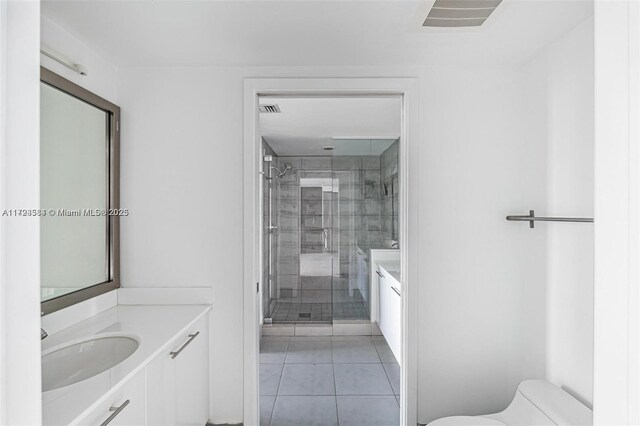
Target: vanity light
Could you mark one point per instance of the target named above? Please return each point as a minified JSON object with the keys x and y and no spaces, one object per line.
{"x":61,"y":59}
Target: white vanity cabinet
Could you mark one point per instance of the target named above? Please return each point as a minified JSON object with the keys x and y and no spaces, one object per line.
{"x":178,"y":381}
{"x":125,"y":407}
{"x":165,"y":381}
{"x":390,"y":322}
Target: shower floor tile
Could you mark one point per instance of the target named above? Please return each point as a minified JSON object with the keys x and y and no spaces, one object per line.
{"x":318,"y":312}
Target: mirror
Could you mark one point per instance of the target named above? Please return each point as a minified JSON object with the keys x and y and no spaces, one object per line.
{"x":79,"y":211}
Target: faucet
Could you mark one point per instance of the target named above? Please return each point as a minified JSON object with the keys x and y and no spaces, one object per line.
{"x":43,"y":334}
{"x":395,"y":245}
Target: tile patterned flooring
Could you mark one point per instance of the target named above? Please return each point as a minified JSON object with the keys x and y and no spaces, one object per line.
{"x":315,"y":312}
{"x":328,"y":380}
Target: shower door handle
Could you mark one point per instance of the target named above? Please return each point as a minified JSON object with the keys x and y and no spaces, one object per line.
{"x":325,"y":238}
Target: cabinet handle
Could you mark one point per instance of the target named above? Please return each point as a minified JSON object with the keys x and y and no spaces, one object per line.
{"x":116,"y":411}
{"x":396,"y":290}
{"x":379,"y":274}
{"x":191,"y":337}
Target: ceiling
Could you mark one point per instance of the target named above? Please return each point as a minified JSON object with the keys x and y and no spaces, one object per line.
{"x":360,"y":126}
{"x":132,"y":33}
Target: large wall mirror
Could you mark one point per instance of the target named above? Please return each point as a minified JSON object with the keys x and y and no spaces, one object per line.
{"x":79,"y":193}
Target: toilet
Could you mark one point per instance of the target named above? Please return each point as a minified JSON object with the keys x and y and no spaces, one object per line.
{"x":537,"y":402}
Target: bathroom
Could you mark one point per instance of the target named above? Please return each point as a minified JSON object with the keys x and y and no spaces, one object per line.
{"x":503,"y":186}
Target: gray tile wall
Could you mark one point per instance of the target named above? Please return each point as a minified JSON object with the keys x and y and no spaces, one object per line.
{"x":389,"y":192}
{"x":356,"y":218}
{"x":269,"y":191}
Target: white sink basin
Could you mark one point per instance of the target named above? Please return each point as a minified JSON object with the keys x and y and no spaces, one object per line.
{"x":79,"y":360}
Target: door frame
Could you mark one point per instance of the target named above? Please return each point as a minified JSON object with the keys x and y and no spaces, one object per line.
{"x":407,"y":89}
{"x":616,"y":386}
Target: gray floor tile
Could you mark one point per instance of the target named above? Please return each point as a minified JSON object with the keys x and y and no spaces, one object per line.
{"x":270,"y":378}
{"x":309,"y":352}
{"x":384,"y":351}
{"x":393,"y":373}
{"x":307,"y":379}
{"x":354,"y":352}
{"x":368,"y":410}
{"x":273,"y":351}
{"x":266,"y":408}
{"x":361,"y":379}
{"x":304,"y":410}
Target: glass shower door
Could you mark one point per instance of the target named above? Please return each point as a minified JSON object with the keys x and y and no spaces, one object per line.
{"x":317,"y":235}
{"x":356,"y":189}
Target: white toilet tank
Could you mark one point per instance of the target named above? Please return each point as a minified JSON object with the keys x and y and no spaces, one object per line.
{"x":536,"y":403}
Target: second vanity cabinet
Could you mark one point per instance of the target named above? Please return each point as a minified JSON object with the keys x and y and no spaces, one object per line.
{"x":178,"y":381}
{"x":390,"y":310}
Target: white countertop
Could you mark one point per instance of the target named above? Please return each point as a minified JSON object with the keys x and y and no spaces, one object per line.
{"x":392,"y":267}
{"x":155,"y":327}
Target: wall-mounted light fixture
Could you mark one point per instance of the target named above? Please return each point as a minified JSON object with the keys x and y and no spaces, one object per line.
{"x":61,"y":59}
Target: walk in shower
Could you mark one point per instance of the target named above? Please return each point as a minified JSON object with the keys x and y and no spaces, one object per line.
{"x":321,"y":216}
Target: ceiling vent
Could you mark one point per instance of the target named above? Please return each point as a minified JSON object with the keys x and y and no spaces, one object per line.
{"x":460,"y":13}
{"x":269,"y":109}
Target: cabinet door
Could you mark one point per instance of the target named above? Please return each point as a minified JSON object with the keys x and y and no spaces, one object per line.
{"x":161,"y":390}
{"x":178,"y":383}
{"x":192,"y":377}
{"x":390,"y":314}
{"x":126,"y":407}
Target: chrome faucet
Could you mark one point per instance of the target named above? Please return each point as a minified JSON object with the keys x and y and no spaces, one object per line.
{"x":43,"y":334}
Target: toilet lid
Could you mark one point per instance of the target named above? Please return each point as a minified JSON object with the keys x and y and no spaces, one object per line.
{"x":466,"y":421}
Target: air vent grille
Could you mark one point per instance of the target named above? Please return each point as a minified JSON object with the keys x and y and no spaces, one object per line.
{"x":460,"y":13}
{"x":269,"y":109}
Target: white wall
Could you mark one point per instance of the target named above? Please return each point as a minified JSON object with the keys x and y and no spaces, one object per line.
{"x":20,"y":389}
{"x":560,"y":84}
{"x":182,"y":181}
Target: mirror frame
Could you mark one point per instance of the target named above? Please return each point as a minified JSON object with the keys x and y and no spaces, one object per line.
{"x":113,"y":221}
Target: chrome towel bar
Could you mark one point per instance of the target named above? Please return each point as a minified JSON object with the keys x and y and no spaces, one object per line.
{"x":532,"y":218}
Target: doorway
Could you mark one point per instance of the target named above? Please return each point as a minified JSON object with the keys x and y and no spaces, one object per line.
{"x":322,"y":230}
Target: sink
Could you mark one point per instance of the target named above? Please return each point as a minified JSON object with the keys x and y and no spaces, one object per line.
{"x":79,"y":360}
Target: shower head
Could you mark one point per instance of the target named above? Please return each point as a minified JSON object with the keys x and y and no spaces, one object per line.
{"x":285,"y":169}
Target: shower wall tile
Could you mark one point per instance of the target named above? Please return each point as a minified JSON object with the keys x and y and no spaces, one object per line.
{"x":317,"y":163}
{"x":289,"y":223}
{"x":347,"y":163}
{"x":288,"y":191}
{"x":312,"y":207}
{"x":371,"y":163}
{"x":288,"y":236}
{"x":315,"y":283}
{"x":350,"y":193}
{"x":291,"y":282}
{"x":372,"y":175}
{"x":314,"y":174}
{"x":371,"y":207}
{"x":288,"y":267}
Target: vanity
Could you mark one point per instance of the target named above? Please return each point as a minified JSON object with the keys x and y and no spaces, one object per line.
{"x":390,"y":296}
{"x":136,"y":364}
{"x":110,"y":355}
